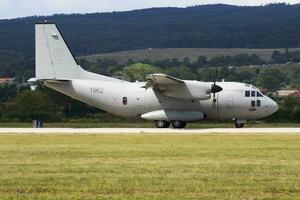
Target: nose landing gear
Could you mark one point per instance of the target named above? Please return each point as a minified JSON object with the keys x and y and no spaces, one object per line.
{"x":239,"y":123}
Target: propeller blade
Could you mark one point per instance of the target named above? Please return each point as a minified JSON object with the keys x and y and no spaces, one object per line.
{"x":214,"y":87}
{"x":215,"y":77}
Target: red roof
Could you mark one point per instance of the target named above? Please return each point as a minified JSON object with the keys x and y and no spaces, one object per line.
{"x":6,"y":80}
{"x":295,"y":94}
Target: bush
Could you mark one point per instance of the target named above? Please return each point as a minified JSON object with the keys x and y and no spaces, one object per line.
{"x":34,"y":105}
{"x":289,"y":111}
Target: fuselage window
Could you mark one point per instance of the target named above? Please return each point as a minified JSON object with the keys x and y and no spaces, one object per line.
{"x":259,"y":94}
{"x":253,"y":93}
{"x":247,"y":93}
{"x":125,"y":101}
{"x":252,"y":104}
{"x":258,"y":103}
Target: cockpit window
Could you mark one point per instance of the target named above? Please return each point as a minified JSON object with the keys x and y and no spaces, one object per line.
{"x":258,"y":94}
{"x":258,"y":103}
{"x":253,"y":93}
{"x":247,"y":93}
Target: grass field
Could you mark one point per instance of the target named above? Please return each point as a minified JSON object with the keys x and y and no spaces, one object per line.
{"x":181,"y":53}
{"x":150,"y":167}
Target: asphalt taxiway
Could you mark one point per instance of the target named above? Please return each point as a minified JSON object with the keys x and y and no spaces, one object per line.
{"x":148,"y":131}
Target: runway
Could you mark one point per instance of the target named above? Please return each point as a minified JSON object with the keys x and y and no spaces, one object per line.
{"x":148,"y":131}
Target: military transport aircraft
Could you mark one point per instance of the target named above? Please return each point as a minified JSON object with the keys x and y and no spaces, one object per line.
{"x":163,"y":99}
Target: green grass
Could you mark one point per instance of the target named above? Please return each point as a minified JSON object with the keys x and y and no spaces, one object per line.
{"x":181,"y":53}
{"x":150,"y":167}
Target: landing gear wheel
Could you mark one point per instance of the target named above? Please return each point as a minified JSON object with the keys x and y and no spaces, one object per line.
{"x":162,"y":124}
{"x":178,"y":124}
{"x":238,"y":125}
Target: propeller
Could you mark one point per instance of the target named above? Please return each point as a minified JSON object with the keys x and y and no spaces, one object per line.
{"x":214,"y":87}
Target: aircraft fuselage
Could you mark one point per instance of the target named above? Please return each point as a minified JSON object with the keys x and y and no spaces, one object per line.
{"x":131,"y":99}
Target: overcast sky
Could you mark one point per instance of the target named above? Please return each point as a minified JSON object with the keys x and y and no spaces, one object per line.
{"x":22,"y":8}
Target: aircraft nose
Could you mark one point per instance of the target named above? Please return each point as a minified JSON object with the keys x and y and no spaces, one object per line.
{"x":273,"y":106}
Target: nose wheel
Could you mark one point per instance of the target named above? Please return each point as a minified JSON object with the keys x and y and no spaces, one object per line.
{"x":162,"y":124}
{"x":239,"y":125}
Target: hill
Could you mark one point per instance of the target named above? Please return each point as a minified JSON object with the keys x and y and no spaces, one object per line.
{"x":180,"y":54}
{"x":207,"y":26}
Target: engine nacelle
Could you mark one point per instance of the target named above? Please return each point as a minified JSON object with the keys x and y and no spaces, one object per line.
{"x":170,"y":115}
{"x":190,"y":90}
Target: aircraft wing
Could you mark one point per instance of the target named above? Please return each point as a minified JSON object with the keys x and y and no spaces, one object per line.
{"x":177,"y":88}
{"x":160,"y":80}
{"x":163,"y":79}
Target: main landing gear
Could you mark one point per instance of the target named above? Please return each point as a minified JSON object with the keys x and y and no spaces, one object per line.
{"x":178,"y":124}
{"x":165,"y":124}
{"x":162,"y":124}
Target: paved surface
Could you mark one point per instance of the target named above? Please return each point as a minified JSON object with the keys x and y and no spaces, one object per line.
{"x":147,"y":131}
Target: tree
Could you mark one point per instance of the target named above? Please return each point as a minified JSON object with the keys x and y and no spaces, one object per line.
{"x":138,"y":72}
{"x":186,"y":61}
{"x":295,"y":56}
{"x":7,"y":91}
{"x":277,"y":57}
{"x":219,"y":61}
{"x":182,"y":72}
{"x":34,"y":105}
{"x":245,"y":76}
{"x":296,"y":79}
{"x":272,"y":79}
{"x":289,"y":111}
{"x":201,"y":61}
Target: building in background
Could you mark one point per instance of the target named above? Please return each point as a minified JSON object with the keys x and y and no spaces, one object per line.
{"x":295,"y":94}
{"x":7,"y":80}
{"x":285,"y":93}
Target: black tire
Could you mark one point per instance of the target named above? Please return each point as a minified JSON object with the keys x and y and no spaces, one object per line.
{"x":238,"y":125}
{"x":178,"y":124}
{"x":162,"y":124}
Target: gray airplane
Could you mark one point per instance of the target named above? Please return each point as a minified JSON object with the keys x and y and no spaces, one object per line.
{"x":163,"y":99}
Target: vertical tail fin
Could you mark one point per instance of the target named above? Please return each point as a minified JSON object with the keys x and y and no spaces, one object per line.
{"x":54,"y":60}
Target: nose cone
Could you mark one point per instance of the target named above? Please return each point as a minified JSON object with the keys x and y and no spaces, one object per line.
{"x":273,"y":107}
